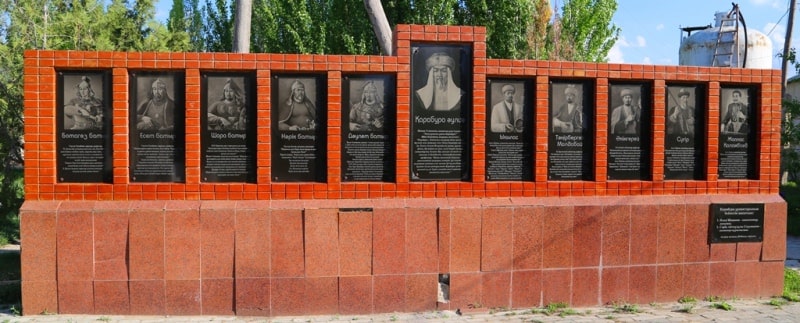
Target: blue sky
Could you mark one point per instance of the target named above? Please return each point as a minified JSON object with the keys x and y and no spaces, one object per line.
{"x":651,"y":28}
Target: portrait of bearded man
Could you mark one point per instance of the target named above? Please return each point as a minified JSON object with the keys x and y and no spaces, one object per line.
{"x":440,"y":92}
{"x":157,"y":111}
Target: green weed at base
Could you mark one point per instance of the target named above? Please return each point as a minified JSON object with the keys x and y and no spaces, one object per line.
{"x":722,"y":306}
{"x":791,"y":285}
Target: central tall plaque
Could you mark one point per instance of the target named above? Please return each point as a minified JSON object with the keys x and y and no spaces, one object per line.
{"x":570,"y":146}
{"x":441,"y":82}
{"x":298,"y":128}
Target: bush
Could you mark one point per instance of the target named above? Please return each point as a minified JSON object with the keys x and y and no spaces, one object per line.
{"x":791,"y":193}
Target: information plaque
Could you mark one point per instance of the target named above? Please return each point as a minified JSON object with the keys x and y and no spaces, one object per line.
{"x":736,"y":223}
{"x":509,"y":130}
{"x":737,"y":134}
{"x":298,"y":128}
{"x":368,"y":135}
{"x":157,"y":129}
{"x":227,"y":127}
{"x":570,"y":141}
{"x":684,"y":144}
{"x":83,"y":126}
{"x":629,"y":132}
{"x":441,"y":82}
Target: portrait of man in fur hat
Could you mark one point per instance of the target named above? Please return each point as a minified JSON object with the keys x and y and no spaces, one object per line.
{"x":440,"y":92}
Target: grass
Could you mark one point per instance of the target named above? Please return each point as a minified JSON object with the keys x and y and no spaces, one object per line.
{"x":722,"y":306}
{"x":561,"y":309}
{"x":791,"y":285}
{"x":625,"y":308}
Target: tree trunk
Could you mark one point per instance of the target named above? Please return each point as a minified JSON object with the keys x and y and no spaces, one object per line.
{"x":241,"y":28}
{"x":380,"y":25}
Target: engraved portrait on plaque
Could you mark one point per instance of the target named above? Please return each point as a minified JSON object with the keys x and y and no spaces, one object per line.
{"x":83,"y":127}
{"x":737,"y":133}
{"x":509,"y":136}
{"x":368,"y":140}
{"x":684,"y":142}
{"x":299,"y":128}
{"x":629,"y":132}
{"x":441,"y":85}
{"x":570,"y":148}
{"x":228,"y":133}
{"x":157,"y":128}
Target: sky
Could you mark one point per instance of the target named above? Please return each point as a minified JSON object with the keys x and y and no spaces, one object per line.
{"x":650,"y":29}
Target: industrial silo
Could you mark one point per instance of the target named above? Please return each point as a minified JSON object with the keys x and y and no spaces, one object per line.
{"x":728,"y":43}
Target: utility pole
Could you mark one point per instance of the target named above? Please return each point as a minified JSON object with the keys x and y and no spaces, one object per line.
{"x":784,"y":66}
{"x":786,"y":46}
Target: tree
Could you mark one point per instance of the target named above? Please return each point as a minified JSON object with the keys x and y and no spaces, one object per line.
{"x":507,"y":24}
{"x":537,"y":31}
{"x":64,"y":25}
{"x":218,"y":29}
{"x":584,"y":31}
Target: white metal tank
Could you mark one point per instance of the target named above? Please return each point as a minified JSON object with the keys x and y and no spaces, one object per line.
{"x":698,"y":48}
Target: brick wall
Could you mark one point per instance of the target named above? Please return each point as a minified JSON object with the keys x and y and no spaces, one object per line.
{"x":269,"y":248}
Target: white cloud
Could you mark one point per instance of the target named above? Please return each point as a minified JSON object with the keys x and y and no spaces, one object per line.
{"x":660,"y":27}
{"x":640,"y":41}
{"x":646,"y":60}
{"x":615,"y":54}
{"x":771,"y":3}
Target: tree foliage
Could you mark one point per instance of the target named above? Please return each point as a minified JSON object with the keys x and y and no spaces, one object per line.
{"x":61,"y":25}
{"x":519,"y":29}
{"x":585,"y":32}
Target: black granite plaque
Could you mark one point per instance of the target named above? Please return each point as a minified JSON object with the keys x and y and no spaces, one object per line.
{"x":299,"y":128}
{"x":228,"y":128}
{"x":157,"y":128}
{"x":629,"y":132}
{"x":441,"y":81}
{"x":684,"y":144}
{"x":736,"y":223}
{"x":368,"y":137}
{"x":737,"y":134}
{"x":83,"y":127}
{"x":509,"y":130}
{"x":570,"y":147}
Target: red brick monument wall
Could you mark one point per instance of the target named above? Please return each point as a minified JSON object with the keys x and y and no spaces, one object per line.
{"x":108,"y":227}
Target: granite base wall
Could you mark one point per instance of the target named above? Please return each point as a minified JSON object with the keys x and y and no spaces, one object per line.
{"x":302,"y":257}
